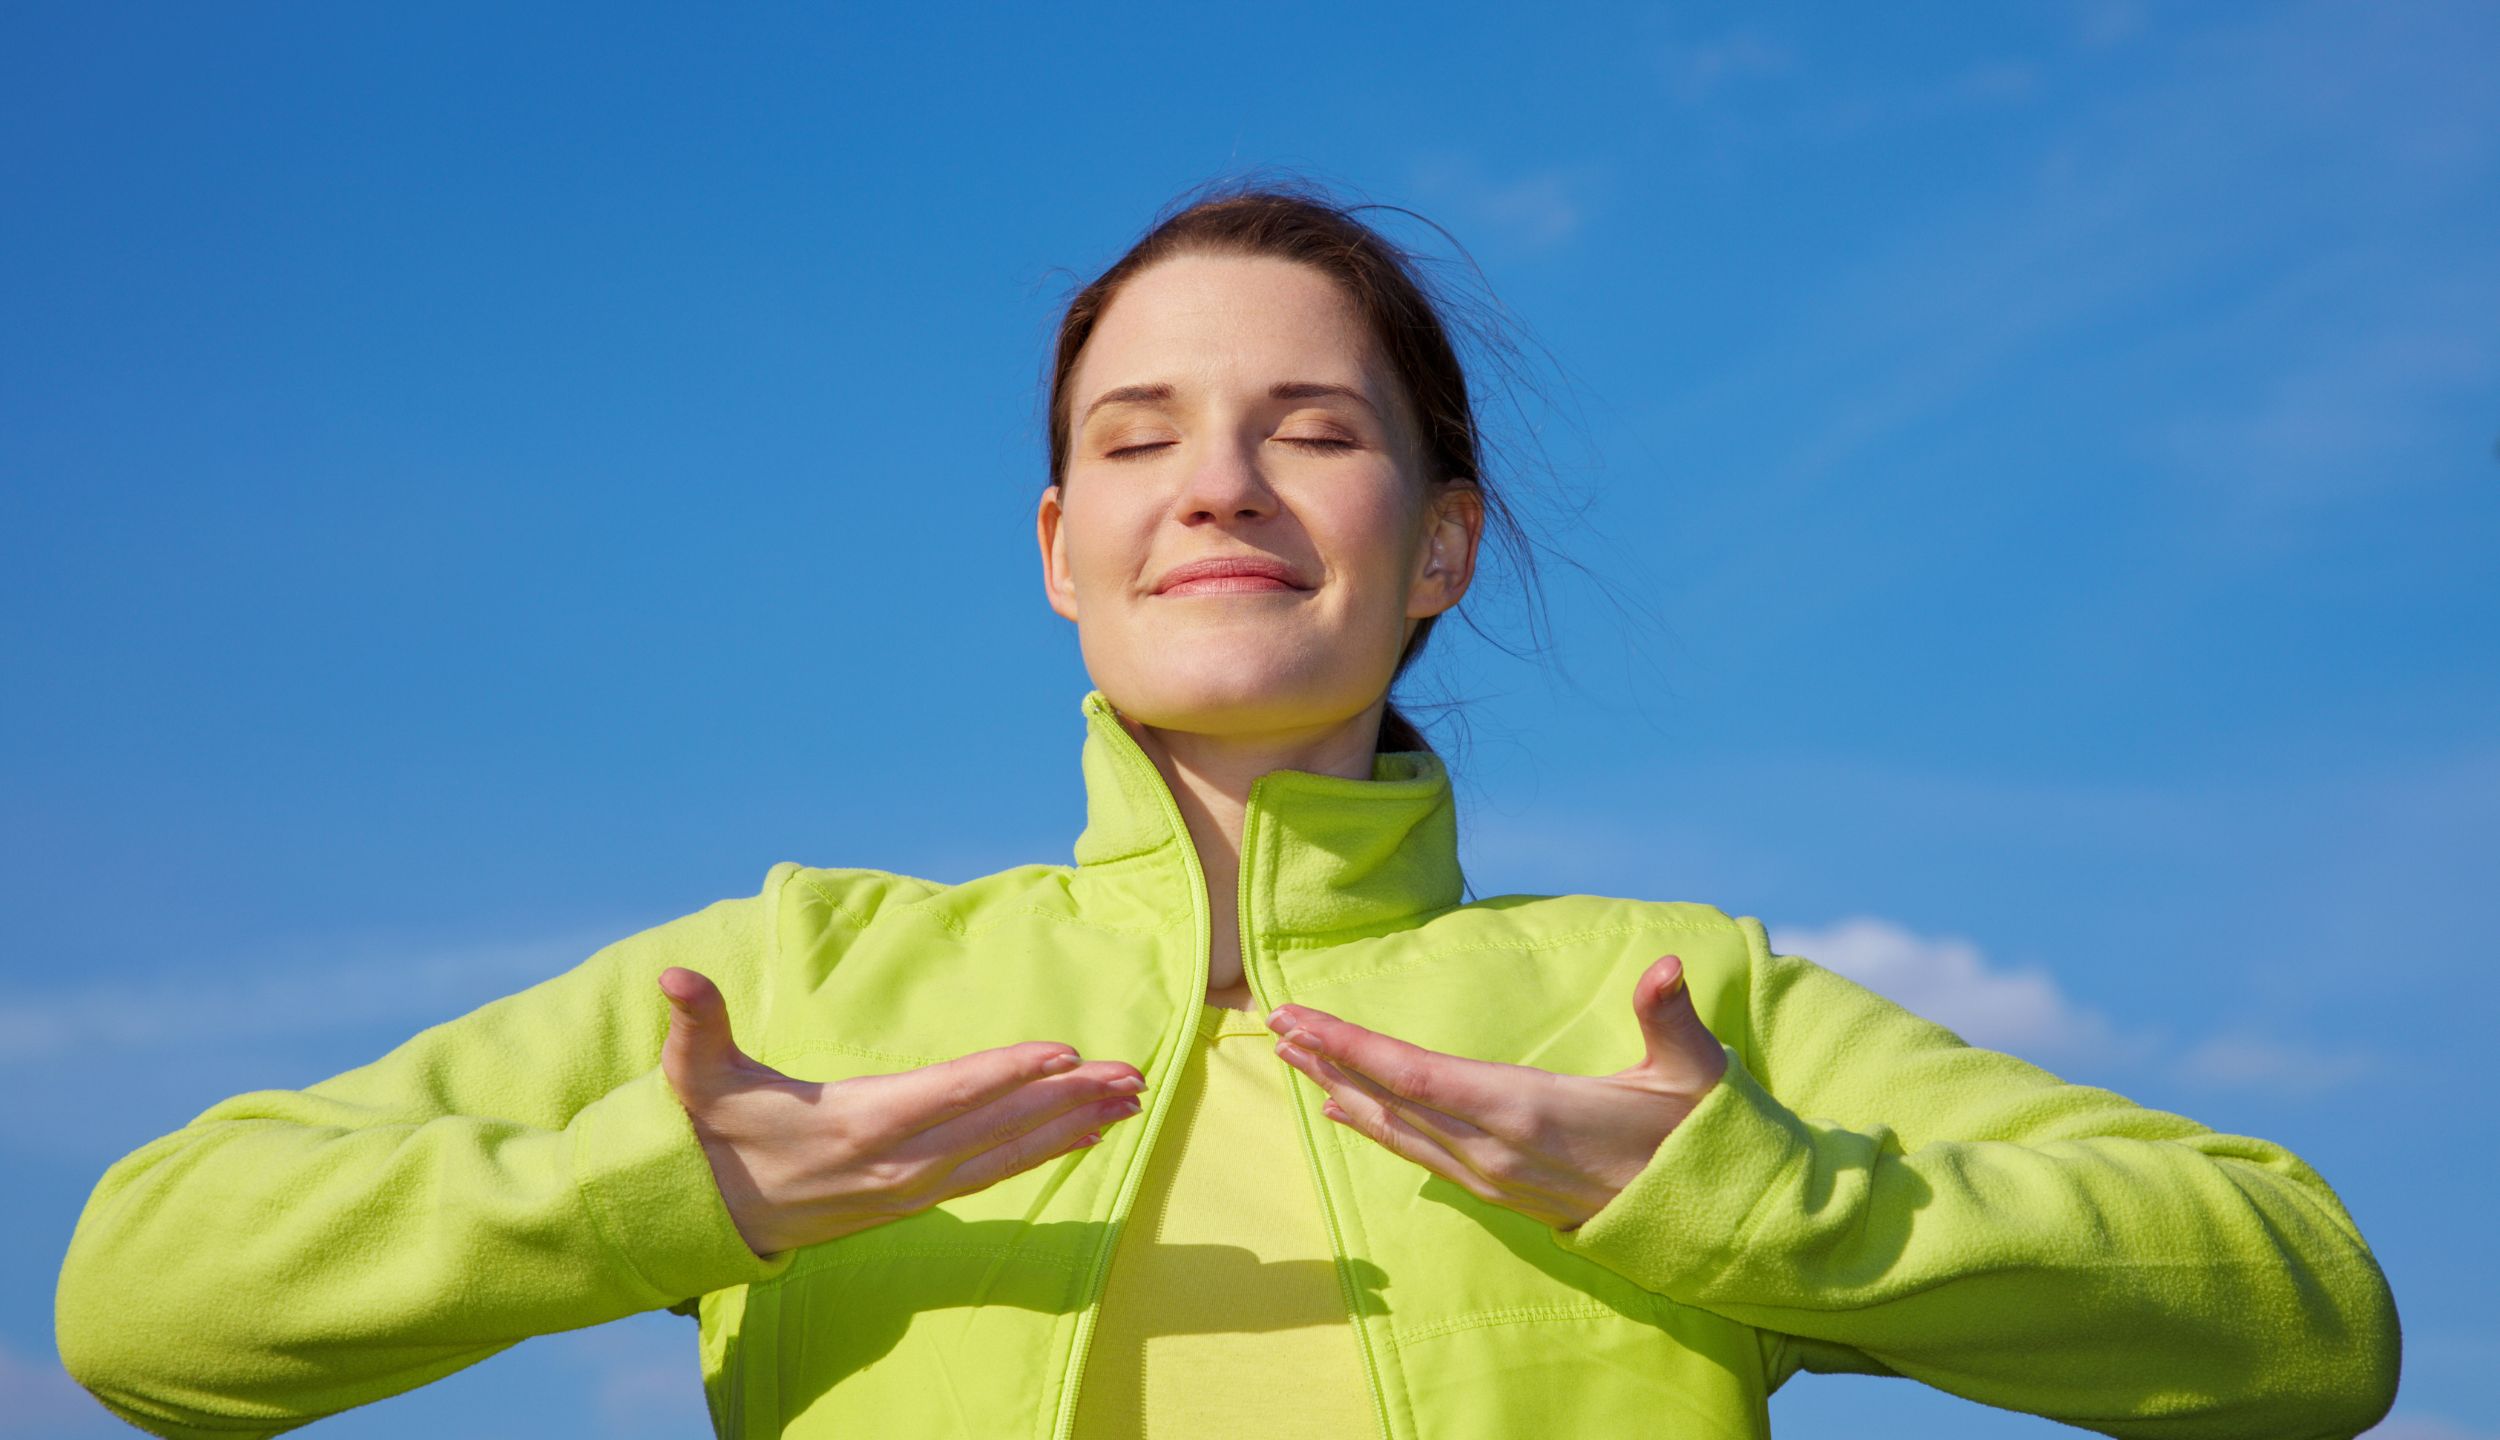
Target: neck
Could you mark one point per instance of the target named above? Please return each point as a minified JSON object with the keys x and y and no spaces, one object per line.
{"x":1210,"y":778}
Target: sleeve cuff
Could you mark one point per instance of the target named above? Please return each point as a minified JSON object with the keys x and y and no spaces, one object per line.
{"x":651,"y":1192}
{"x":1685,"y":1216}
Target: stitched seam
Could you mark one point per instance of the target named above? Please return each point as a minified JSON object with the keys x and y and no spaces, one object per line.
{"x":1161,"y":927}
{"x":1332,"y":939}
{"x":1514,"y":1315}
{"x":941,"y":921}
{"x":1523,"y":946}
{"x":1757,"y":951}
{"x":599,"y":1226}
{"x":833,"y":903}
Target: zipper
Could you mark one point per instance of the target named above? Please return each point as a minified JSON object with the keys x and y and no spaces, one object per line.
{"x":1346,"y":1287}
{"x":1128,"y":750}
{"x":1204,"y":924}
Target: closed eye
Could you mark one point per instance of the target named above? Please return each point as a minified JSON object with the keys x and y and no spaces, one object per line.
{"x":1321,"y":442}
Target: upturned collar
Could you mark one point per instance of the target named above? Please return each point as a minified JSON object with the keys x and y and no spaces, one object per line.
{"x":1322,"y":855}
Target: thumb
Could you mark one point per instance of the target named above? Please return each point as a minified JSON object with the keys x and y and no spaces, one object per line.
{"x":1679,"y":1045}
{"x":699,"y":1052}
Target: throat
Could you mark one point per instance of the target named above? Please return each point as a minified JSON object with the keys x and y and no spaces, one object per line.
{"x":1226,"y":984}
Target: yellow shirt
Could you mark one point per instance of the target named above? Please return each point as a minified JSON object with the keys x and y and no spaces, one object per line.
{"x":1222,"y":1316}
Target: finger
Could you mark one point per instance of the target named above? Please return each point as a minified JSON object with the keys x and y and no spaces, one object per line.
{"x":1677,"y":1045}
{"x":1481,"y":1094}
{"x":1450,"y":1132}
{"x":1357,"y":1110}
{"x":1009,"y":1117}
{"x":700,"y":1049}
{"x":934,"y":1095}
{"x":1065,"y":1132}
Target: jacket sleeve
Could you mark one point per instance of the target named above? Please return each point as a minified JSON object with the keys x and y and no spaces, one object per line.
{"x":1903,"y":1203}
{"x":522,"y":1169}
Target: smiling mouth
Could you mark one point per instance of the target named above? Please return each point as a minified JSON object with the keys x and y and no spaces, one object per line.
{"x":1243,"y":574}
{"x":1231,"y":585}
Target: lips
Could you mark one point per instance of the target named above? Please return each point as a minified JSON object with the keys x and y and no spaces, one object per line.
{"x":1230,"y":573}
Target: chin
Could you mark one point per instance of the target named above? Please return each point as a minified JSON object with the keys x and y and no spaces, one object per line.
{"x":1220,"y":692}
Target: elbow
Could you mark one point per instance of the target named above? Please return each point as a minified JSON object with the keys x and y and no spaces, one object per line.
{"x":112,"y":1340}
{"x":95,"y":1351}
{"x":117,"y":1375}
{"x":83,"y":1304}
{"x":2344,"y":1379}
{"x":2377,"y":1347}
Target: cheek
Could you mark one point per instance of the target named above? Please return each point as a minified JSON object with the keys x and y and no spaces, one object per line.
{"x":1373,"y":531}
{"x":1101,"y":540}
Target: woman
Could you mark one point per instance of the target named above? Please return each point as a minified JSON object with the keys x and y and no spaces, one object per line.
{"x":1461,"y":1214}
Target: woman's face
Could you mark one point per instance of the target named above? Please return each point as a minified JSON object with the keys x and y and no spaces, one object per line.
{"x":1233,"y":407}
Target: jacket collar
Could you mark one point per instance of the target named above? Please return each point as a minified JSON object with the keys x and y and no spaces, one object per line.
{"x":1321,"y":854}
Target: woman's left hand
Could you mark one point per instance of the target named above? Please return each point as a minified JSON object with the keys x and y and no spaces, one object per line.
{"x":1553,"y":1147}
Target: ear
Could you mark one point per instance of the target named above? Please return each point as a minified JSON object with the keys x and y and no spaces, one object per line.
{"x":1448,"y":563}
{"x":1050,"y":528}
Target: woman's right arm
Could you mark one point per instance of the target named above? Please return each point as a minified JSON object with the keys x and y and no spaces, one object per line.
{"x":523,"y":1169}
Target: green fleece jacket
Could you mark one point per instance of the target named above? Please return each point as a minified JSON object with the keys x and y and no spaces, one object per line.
{"x":1862,"y":1192}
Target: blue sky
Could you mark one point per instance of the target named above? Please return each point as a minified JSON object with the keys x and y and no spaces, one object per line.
{"x":477,"y":482}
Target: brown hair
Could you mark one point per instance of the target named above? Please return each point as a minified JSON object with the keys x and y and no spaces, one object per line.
{"x":1297,"y":220}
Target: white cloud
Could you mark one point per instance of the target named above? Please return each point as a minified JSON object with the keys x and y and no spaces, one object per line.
{"x":1947,"y":980}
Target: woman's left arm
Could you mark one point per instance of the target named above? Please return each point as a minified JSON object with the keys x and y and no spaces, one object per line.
{"x":1820,"y":1163}
{"x":1861,"y":1178}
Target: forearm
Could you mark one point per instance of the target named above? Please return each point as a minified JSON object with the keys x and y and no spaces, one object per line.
{"x":285,"y":1257}
{"x":2139,"y":1287}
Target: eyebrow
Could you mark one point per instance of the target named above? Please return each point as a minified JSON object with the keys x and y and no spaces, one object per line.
{"x":1282,"y":390}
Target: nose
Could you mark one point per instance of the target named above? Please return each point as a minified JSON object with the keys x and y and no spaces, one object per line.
{"x":1225,"y":484}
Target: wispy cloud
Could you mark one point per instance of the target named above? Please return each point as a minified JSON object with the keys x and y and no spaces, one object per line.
{"x":1697,"y":71}
{"x":2426,"y":1427}
{"x":2254,"y":1062}
{"x":37,"y":1397}
{"x":1537,"y":210}
{"x":2401,"y":397}
{"x":2369,"y":139}
{"x":2021,"y":1010}
{"x":644,"y":1374}
{"x":2103,"y":24}
{"x":249,"y":1003}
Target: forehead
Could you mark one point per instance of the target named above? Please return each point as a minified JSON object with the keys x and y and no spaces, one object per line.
{"x":1228,"y":322}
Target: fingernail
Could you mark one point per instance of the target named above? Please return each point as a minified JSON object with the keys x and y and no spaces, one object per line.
{"x":1128,"y":1084}
{"x":1061,"y":1064}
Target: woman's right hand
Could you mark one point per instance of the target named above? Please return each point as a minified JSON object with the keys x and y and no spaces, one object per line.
{"x":801,"y":1161}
